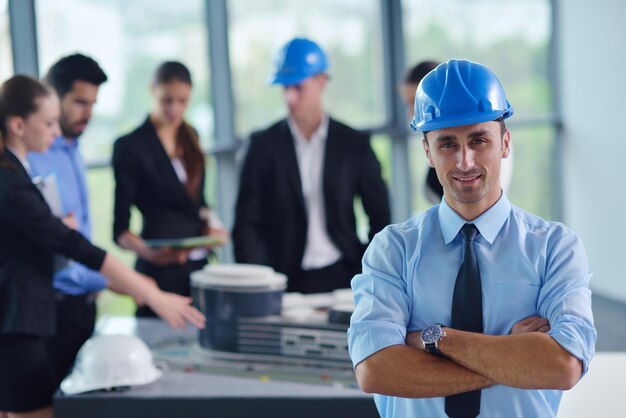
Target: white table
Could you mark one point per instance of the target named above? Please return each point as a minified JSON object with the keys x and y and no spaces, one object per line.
{"x":602,"y":391}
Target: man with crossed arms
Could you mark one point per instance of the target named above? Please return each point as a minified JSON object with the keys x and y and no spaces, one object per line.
{"x":476,"y":307}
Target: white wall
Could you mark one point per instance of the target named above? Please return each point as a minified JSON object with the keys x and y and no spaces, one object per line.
{"x":592,"y":76}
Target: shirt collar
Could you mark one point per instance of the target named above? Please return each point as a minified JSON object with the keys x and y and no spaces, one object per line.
{"x":319,"y":134}
{"x":61,"y":142}
{"x":22,"y":160}
{"x":488,"y":224}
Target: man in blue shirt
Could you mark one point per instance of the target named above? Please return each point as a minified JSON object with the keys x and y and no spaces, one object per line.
{"x":76,"y":79}
{"x":537,"y":335}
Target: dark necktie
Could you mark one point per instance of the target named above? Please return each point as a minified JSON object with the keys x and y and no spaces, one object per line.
{"x":467,"y":315}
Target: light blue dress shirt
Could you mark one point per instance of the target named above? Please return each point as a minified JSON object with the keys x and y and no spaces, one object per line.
{"x":528,"y":266}
{"x":63,"y":159}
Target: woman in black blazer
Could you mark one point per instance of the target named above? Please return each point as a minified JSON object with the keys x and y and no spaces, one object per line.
{"x":30,"y":237}
{"x":159,"y":168}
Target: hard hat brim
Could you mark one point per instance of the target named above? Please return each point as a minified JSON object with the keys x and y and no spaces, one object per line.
{"x":460,"y":120}
{"x":75,"y":384}
{"x":285,"y":80}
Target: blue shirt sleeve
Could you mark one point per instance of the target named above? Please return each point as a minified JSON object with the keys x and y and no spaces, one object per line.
{"x":565,"y":298}
{"x":77,"y":279}
{"x":382,"y":305}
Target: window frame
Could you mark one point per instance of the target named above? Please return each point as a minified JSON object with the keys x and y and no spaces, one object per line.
{"x":227,"y":143}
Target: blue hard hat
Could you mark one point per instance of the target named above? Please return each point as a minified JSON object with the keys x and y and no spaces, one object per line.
{"x":459,"y":92}
{"x":298,"y":60}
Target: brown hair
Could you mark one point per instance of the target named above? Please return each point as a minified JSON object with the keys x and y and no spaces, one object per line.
{"x":186,"y":138}
{"x":18,"y":97}
{"x":415,"y":74}
{"x":77,"y":67}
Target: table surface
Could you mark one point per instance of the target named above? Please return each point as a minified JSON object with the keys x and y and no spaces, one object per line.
{"x":206,"y":388}
{"x":235,"y":389}
{"x":600,"y":393}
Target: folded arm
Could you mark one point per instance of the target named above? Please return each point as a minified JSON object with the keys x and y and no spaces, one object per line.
{"x":408,"y":372}
{"x":537,"y":354}
{"x":547,"y":359}
{"x":530,"y":361}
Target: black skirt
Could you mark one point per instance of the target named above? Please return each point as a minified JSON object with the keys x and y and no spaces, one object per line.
{"x":26,"y":376}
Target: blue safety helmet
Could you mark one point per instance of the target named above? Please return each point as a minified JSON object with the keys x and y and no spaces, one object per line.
{"x":458,"y":92}
{"x":298,"y":60}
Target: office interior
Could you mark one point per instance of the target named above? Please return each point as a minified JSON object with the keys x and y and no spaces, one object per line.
{"x":559,"y":61}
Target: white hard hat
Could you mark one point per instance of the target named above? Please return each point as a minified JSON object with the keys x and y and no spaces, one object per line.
{"x":109,"y":361}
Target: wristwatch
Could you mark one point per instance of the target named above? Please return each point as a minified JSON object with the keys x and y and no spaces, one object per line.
{"x":431,"y":335}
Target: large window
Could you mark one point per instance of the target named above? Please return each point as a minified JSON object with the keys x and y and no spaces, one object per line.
{"x":350,"y":33}
{"x":6,"y":58}
{"x":129,"y":40}
{"x":512,"y":38}
{"x":129,"y":47}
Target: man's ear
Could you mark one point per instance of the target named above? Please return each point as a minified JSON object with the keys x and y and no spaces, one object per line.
{"x":323,"y":80}
{"x":506,"y":144}
{"x":427,"y":151}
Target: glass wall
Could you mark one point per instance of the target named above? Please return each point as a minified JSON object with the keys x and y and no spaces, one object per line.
{"x":350,"y":33}
{"x":128,"y":46}
{"x":512,"y":38}
{"x":6,"y":57}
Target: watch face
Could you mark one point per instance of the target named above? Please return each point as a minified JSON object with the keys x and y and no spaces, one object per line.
{"x":431,"y":333}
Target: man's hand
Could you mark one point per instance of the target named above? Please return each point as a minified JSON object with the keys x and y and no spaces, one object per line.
{"x":414,"y":339}
{"x":531,"y":324}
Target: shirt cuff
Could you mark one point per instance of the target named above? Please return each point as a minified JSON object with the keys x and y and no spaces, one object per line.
{"x":368,"y":337}
{"x":77,"y":279}
{"x":577,"y":338}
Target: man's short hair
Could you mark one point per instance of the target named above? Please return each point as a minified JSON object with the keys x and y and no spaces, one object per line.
{"x":415,"y":74}
{"x":77,"y":67}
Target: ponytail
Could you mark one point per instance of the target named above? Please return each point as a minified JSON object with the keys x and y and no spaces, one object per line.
{"x":188,"y":140}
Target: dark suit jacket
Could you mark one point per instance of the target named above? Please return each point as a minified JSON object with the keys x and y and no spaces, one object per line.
{"x":144,"y":177}
{"x":29,"y":238}
{"x":271,"y":223}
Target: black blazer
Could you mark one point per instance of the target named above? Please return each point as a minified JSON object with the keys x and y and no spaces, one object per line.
{"x":271,"y":223}
{"x":29,"y":238}
{"x":144,"y":177}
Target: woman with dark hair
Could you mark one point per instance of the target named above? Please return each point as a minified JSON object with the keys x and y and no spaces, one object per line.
{"x":31,"y":235}
{"x":159,"y":168}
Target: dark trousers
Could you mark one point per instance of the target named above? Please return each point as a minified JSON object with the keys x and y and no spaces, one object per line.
{"x":325,"y":279}
{"x":76,"y":316}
